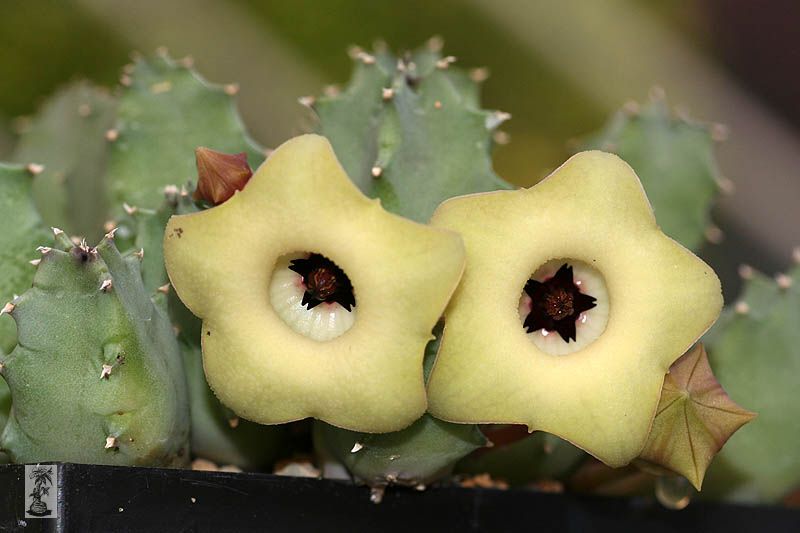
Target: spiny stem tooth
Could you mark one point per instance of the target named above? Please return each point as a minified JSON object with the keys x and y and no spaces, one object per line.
{"x":387,"y":93}
{"x":376,"y":171}
{"x":331,"y":90}
{"x":719,"y":132}
{"x":112,"y":135}
{"x":171,"y":192}
{"x":106,"y":285}
{"x":187,"y":62}
{"x":106,"y":371}
{"x":139,"y":254}
{"x":741,"y":308}
{"x":437,"y":104}
{"x":43,"y":250}
{"x":307,"y":101}
{"x":726,"y":186}
{"x":8,"y":309}
{"x":111,"y":442}
{"x":129,"y":209}
{"x":501,"y":137}
{"x":125,"y":80}
{"x":110,"y":235}
{"x":445,"y":62}
{"x":231,"y":89}
{"x":57,"y":231}
{"x":164,"y":289}
{"x":35,"y":262}
{"x":714,"y":235}
{"x":784,"y":281}
{"x":35,"y":168}
{"x":746,"y":271}
{"x":233,"y":422}
{"x":357,"y":447}
{"x":367,"y":59}
{"x":479,"y":75}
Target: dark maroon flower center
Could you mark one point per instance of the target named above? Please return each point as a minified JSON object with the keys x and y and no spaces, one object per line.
{"x":324,"y":282}
{"x":556,"y":303}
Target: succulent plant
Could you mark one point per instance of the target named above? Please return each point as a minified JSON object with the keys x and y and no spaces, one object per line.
{"x":23,"y":231}
{"x":165,"y":112}
{"x":386,"y":127}
{"x":301,"y":232}
{"x":67,"y":137}
{"x":755,"y":355}
{"x":409,"y":130}
{"x":97,"y":374}
{"x":547,"y":362}
{"x":674,"y":157}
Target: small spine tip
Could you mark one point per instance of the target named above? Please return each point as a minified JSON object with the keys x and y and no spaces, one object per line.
{"x":479,"y":75}
{"x":110,"y":235}
{"x":746,"y":271}
{"x":783,"y":280}
{"x":445,"y":62}
{"x":34,"y":168}
{"x":714,"y":235}
{"x":307,"y":101}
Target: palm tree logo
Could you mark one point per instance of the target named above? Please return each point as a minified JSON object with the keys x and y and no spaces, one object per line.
{"x":42,"y":477}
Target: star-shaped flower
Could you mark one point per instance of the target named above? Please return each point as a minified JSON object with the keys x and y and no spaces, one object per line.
{"x":300,"y":225}
{"x":653,"y":300}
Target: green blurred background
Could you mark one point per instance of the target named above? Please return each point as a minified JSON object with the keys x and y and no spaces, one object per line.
{"x":559,"y":67}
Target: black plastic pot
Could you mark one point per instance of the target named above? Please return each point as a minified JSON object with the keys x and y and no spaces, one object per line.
{"x":111,"y":499}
